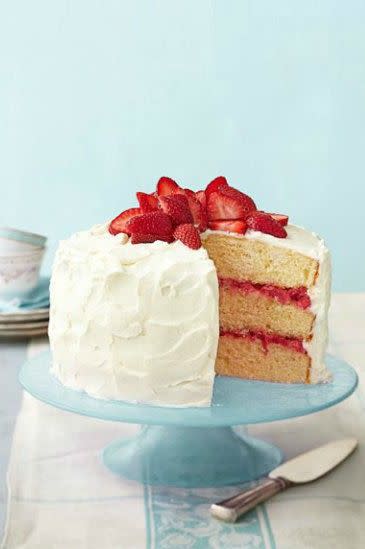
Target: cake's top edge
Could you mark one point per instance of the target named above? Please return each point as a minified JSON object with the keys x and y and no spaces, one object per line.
{"x":298,"y":239}
{"x":97,"y":240}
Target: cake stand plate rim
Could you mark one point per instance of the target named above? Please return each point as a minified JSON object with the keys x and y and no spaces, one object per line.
{"x":235,"y":401}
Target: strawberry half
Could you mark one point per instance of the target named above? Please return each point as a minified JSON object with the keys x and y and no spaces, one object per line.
{"x":118,"y":224}
{"x":228,"y":203}
{"x":236,"y":226}
{"x":216,"y":184}
{"x":147,"y":202}
{"x":201,"y":196}
{"x":246,"y":201}
{"x":197,"y":210}
{"x":137,"y":238}
{"x":177,"y":207}
{"x":280,"y":218}
{"x":166,"y":186}
{"x":188,"y":235}
{"x":153,"y":223}
{"x":263,"y":222}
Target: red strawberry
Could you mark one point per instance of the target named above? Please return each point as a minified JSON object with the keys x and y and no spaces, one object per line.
{"x":201,"y":196}
{"x":152,"y":223}
{"x":216,"y":184}
{"x":263,"y":222}
{"x":137,"y":238}
{"x":196,"y":208}
{"x":118,"y":225}
{"x":189,"y":235}
{"x":237,"y":226}
{"x":147,"y":202}
{"x":228,"y":203}
{"x":280,"y":218}
{"x":177,"y":207}
{"x":246,"y":201}
{"x":166,"y":186}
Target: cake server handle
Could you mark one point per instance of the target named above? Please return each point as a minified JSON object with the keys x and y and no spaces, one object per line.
{"x":232,"y":508}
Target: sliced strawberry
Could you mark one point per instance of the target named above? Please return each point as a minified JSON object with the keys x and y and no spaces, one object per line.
{"x":166,"y":186}
{"x":189,"y":235}
{"x":147,"y":202}
{"x":280,"y":218}
{"x":118,"y":224}
{"x":236,"y":226}
{"x":137,"y":238}
{"x":201,"y":196}
{"x":196,"y":208}
{"x":216,"y":184}
{"x":263,"y":222}
{"x":246,"y":201}
{"x":177,"y":207}
{"x":152,"y":223}
{"x":228,"y":203}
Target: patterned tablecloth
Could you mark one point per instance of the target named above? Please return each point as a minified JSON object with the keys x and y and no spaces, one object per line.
{"x":60,"y":496}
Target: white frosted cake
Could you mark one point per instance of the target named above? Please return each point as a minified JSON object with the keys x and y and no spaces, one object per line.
{"x":150,"y":307}
{"x":134,"y":322}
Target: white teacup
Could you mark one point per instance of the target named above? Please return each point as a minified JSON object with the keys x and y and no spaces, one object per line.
{"x":21,"y":255}
{"x":16,"y":242}
{"x":19,"y":273}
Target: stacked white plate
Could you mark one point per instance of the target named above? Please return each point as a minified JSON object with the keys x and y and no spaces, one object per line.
{"x":31,"y":323}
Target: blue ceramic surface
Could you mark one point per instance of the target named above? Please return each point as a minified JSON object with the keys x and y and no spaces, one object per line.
{"x":235,"y":401}
{"x":195,"y":447}
{"x":191,"y":456}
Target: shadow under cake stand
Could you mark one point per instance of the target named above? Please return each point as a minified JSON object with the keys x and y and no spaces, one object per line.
{"x":195,"y":447}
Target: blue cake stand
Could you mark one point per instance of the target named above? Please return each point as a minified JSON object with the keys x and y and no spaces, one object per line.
{"x":195,"y":447}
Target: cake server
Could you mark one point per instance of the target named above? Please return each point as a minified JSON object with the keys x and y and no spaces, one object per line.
{"x":299,"y":470}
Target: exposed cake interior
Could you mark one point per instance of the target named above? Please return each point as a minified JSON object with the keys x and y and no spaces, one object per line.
{"x":273,"y":301}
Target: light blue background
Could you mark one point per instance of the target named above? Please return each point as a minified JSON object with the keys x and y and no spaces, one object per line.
{"x":98,"y":99}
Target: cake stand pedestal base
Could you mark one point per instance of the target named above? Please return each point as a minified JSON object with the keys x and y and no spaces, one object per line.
{"x":191,"y":456}
{"x":195,"y":446}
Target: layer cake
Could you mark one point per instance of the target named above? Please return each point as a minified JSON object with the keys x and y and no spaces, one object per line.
{"x":189,"y":285}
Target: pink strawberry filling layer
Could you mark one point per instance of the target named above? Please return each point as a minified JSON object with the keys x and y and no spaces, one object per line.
{"x":267,"y":339}
{"x":285,"y":296}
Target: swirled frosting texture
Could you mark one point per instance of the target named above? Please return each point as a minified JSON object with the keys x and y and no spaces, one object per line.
{"x":134,"y":322}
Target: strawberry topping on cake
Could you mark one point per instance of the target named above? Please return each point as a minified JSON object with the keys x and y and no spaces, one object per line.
{"x":177,"y":207}
{"x":147,"y":202}
{"x":174,"y":213}
{"x":189,"y":235}
{"x":119,"y":224}
{"x":265,"y":223}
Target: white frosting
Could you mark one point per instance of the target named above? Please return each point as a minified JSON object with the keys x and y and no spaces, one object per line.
{"x":311,"y":245}
{"x":134,"y":322}
{"x":320,"y":295}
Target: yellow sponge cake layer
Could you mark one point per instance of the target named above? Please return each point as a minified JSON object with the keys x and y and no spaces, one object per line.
{"x":246,"y":357}
{"x":254,"y":311}
{"x":241,"y":258}
{"x":273,"y":302}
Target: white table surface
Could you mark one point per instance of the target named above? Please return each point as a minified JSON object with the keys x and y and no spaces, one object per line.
{"x":327,"y":514}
